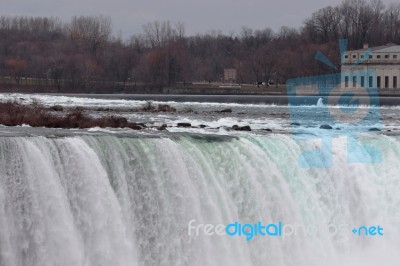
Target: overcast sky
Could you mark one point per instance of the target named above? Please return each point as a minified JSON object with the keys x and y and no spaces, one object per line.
{"x":199,"y":16}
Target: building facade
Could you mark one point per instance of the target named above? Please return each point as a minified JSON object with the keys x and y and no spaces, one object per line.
{"x":230,"y":75}
{"x":375,"y":67}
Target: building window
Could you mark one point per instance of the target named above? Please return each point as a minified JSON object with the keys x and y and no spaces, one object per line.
{"x":370,"y":80}
{"x":386,"y":82}
{"x":346,"y":56}
{"x":378,"y":56}
{"x":354,"y":56}
{"x":394,"y":82}
{"x":362,"y":81}
{"x":386,"y":56}
{"x":370,"y":56}
{"x":395,"y":56}
{"x":362,"y":56}
{"x":354,"y":81}
{"x":346,"y":81}
{"x":378,"y":81}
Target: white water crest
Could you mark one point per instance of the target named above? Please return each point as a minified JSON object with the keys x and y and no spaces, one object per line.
{"x":109,"y":200}
{"x":320,"y":102}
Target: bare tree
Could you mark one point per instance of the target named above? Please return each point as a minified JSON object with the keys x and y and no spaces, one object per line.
{"x":376,"y":35}
{"x":391,"y":22}
{"x":158,"y":34}
{"x":247,"y":37}
{"x":324,"y":24}
{"x":138,"y":43}
{"x":16,"y":68}
{"x":56,"y":69}
{"x":180,"y":30}
{"x":263,"y":36}
{"x":256,"y":38}
{"x":92,"y":32}
{"x":357,"y":21}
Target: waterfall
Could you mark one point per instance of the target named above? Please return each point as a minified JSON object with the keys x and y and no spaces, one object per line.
{"x":112,"y":200}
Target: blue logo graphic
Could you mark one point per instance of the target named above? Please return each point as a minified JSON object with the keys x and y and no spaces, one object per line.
{"x":344,"y":104}
{"x":252,"y":230}
{"x":249,"y":231}
{"x":368,"y":231}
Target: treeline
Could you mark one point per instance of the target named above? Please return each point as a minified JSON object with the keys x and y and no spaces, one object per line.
{"x":83,"y":55}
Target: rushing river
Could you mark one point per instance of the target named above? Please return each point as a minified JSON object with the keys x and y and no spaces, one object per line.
{"x":124,"y":197}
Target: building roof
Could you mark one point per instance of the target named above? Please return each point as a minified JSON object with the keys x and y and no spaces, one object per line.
{"x":388,"y":48}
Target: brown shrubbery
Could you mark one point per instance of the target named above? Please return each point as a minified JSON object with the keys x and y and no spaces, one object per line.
{"x":15,"y":114}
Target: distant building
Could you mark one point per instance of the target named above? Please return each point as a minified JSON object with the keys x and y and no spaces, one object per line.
{"x":230,"y":75}
{"x":384,"y":60}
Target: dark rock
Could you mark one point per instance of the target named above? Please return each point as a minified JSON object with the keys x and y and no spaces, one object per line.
{"x":184,"y":125}
{"x":244,"y":128}
{"x":187,"y":110}
{"x":374,"y":129}
{"x":57,"y":108}
{"x":134,"y":126}
{"x":165,"y":108}
{"x":338,"y":128}
{"x":162,"y":127}
{"x":267,"y":129}
{"x":325,"y":127}
{"x":295,"y":124}
{"x":101,"y":109}
{"x":118,"y":121}
{"x":202,"y":126}
{"x":228,"y":110}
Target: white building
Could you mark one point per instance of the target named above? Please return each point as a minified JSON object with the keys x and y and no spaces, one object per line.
{"x":384,"y":61}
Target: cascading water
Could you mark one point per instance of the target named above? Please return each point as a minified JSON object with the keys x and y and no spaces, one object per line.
{"x":320,"y":102}
{"x":108,"y":200}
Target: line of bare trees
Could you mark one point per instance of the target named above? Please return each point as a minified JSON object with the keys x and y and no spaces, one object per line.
{"x":357,"y":20}
{"x":83,"y":54}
